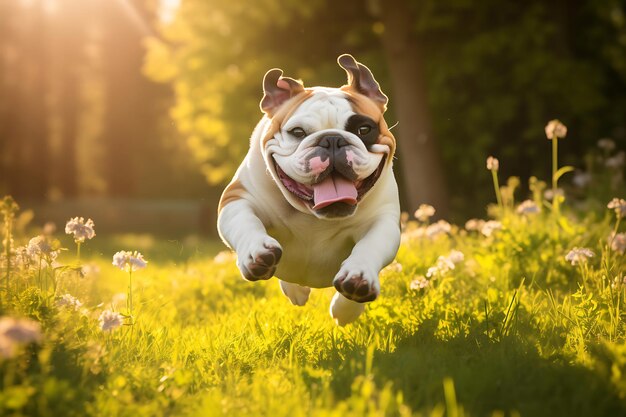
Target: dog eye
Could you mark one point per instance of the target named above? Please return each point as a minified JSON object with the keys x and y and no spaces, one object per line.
{"x":364,"y":130}
{"x":297,"y":132}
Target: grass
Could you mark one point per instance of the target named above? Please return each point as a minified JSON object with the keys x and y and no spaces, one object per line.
{"x":512,"y":330}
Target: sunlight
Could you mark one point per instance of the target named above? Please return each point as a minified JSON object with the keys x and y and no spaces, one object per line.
{"x":167,"y":10}
{"x":136,"y":18}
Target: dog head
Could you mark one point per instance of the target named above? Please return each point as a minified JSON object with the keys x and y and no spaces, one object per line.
{"x":326,"y":148}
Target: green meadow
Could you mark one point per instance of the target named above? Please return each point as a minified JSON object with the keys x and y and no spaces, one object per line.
{"x":521,"y":314}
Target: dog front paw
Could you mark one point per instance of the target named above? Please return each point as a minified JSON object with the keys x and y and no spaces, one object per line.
{"x":357,"y":283}
{"x":260,"y":259}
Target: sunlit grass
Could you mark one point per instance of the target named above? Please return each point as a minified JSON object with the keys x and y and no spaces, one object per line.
{"x":502,"y":317}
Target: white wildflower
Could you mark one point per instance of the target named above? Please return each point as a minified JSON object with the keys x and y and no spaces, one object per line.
{"x":89,"y":270}
{"x":578,"y":255}
{"x":41,"y":246}
{"x":616,"y":161}
{"x":555,"y":129}
{"x":80,"y":229}
{"x":110,"y":320}
{"x":69,"y":301}
{"x":619,"y":205}
{"x":129,"y":261}
{"x":22,"y":257}
{"x":436,"y":229}
{"x":493,"y":164}
{"x":441,"y":268}
{"x":424,"y":212}
{"x":14,"y":332}
{"x":581,"y":179}
{"x":606,"y":144}
{"x":490,"y":226}
{"x":474,"y":224}
{"x":528,"y":207}
{"x":549,"y":194}
{"x":456,"y":256}
{"x":395,"y":266}
{"x":618,"y":242}
{"x":49,"y":228}
{"x":419,"y":283}
{"x":119,"y":299}
{"x":224,"y":257}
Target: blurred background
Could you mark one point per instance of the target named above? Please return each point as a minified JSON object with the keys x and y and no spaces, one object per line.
{"x":137,"y":112}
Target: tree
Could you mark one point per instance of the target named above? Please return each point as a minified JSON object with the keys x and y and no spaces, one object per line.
{"x":421,"y":164}
{"x":25,"y":123}
{"x":465,"y":79}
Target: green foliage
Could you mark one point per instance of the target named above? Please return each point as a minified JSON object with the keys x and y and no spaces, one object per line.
{"x":495,"y":74}
{"x":204,"y":62}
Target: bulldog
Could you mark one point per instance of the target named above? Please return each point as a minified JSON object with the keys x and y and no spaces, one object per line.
{"x":314,"y":201}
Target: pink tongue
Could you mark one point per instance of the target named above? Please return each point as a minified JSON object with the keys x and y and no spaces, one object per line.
{"x":333,"y":189}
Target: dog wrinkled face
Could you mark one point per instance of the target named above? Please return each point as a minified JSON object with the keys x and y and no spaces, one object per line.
{"x":326,"y":147}
{"x":325,"y":155}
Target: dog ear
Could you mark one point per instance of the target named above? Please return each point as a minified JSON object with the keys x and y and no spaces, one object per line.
{"x":360,"y":79}
{"x":278,"y":89}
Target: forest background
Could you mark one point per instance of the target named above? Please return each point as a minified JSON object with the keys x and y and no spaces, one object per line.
{"x":139,"y":111}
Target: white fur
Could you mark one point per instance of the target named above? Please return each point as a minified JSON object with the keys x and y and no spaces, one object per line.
{"x":316,"y":251}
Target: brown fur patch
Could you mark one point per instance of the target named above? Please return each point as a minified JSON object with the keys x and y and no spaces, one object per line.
{"x":363,"y":105}
{"x":284,"y":113}
{"x":233,"y":191}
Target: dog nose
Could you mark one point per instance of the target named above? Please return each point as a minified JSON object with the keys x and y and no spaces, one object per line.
{"x":332,"y":141}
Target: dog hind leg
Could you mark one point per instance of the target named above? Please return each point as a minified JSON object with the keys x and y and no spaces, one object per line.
{"x":344,"y":310}
{"x":297,"y":294}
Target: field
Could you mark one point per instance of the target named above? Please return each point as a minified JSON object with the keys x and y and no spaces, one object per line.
{"x":521,"y":315}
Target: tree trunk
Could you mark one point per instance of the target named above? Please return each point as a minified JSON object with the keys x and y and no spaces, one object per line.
{"x":6,"y":94}
{"x":121,"y":68}
{"x":27,"y":130}
{"x":70,"y":38}
{"x":36,"y":121}
{"x":418,"y":153}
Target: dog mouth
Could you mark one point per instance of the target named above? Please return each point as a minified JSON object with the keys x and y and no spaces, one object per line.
{"x":333,"y":188}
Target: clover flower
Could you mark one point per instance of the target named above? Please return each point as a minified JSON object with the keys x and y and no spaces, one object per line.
{"x":619,"y":205}
{"x":129,"y":261}
{"x":436,"y":229}
{"x":14,"y":332}
{"x":490,"y":226}
{"x":474,"y":224}
{"x":424,"y":212}
{"x":578,"y":256}
{"x":493,"y":164}
{"x":528,"y":207}
{"x":42,"y":246}
{"x":606,"y":144}
{"x":555,"y":129}
{"x":69,"y":301}
{"x":618,"y":242}
{"x":110,"y":320}
{"x":419,"y":283}
{"x":80,"y":229}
